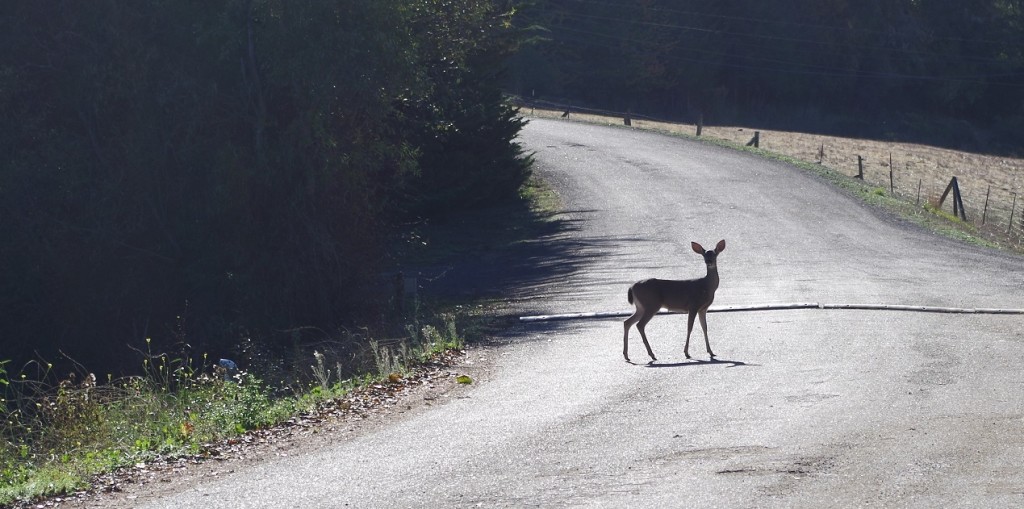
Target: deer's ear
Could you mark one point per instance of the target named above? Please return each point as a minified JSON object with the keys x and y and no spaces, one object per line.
{"x":697,"y":248}
{"x":720,"y":247}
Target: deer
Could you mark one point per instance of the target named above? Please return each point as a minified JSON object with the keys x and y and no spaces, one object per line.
{"x":692,"y":295}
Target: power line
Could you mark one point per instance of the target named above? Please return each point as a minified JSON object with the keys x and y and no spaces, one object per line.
{"x":776,"y":38}
{"x":586,"y":37}
{"x":776,"y":22}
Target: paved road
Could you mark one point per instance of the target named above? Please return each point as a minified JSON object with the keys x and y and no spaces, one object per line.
{"x":806,"y":408}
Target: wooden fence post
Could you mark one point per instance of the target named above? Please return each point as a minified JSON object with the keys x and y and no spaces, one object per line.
{"x":700,"y":124}
{"x":860,"y":168}
{"x":958,"y":202}
{"x":942,"y":199}
{"x":918,"y":201}
{"x":892,"y":189}
{"x":756,"y":140}
{"x":1013,"y":208}
{"x":984,"y":211}
{"x":821,"y":154}
{"x":626,"y":121}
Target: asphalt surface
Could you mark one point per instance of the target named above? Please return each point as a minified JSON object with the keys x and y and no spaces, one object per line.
{"x":802,"y":408}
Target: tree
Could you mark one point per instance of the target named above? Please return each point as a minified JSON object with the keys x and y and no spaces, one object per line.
{"x":464,"y":128}
{"x":195,"y":171}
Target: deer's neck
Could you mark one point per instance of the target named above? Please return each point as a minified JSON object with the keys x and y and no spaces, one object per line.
{"x":712,"y":277}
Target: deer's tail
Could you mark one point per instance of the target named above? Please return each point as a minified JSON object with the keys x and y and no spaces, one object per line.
{"x":629,"y":295}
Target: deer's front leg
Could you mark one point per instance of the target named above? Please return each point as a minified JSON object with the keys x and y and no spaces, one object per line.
{"x":689,"y":329}
{"x":704,"y":326}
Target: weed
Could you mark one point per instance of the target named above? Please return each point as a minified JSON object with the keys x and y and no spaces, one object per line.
{"x":321,"y":373}
{"x":57,"y":435}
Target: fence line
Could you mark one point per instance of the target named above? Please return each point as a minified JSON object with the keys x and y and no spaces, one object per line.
{"x":988,"y":203}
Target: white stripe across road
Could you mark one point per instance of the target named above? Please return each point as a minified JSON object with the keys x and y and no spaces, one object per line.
{"x":787,"y":306}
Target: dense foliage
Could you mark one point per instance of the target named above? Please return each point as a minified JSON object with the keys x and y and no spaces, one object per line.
{"x":182,"y":170}
{"x":878,"y":67}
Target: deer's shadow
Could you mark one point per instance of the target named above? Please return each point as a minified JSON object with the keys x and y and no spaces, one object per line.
{"x":696,"y":362}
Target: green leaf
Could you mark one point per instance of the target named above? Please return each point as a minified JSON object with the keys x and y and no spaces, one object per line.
{"x":463,"y":379}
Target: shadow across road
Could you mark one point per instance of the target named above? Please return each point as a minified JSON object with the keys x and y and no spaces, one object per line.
{"x":697,"y":362}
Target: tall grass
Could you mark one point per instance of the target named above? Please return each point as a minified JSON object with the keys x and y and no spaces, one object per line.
{"x":57,"y":432}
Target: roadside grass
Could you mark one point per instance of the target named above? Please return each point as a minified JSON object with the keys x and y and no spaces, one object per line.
{"x":60,"y":431}
{"x":928,"y":166}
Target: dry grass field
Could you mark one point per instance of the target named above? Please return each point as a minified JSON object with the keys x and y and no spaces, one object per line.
{"x":920,"y":173}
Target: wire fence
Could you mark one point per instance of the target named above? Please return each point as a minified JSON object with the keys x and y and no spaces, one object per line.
{"x":990,"y":187}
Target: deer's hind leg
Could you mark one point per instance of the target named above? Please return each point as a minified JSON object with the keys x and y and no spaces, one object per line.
{"x":641,"y":316}
{"x":648,"y":314}
{"x":625,"y":335}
